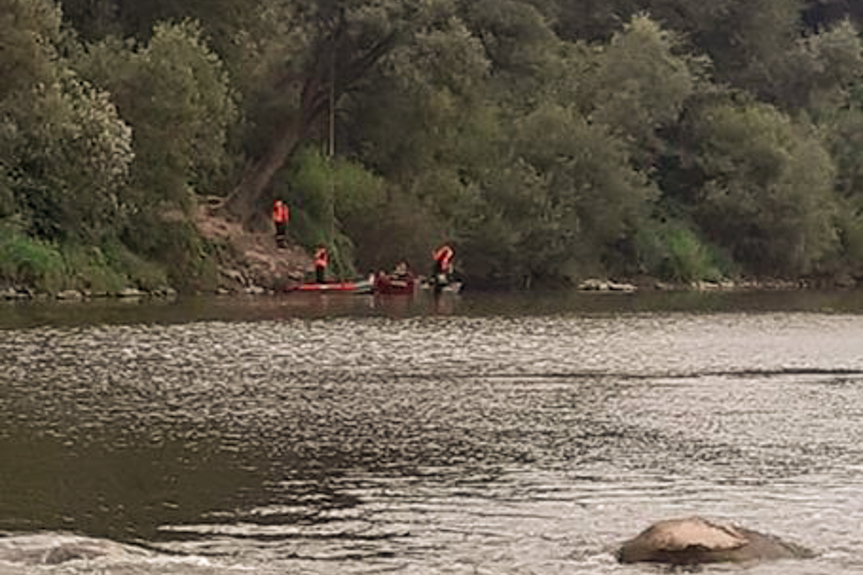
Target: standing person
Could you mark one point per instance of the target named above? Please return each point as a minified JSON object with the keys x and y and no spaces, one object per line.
{"x":443,"y":257}
{"x":322,"y":258}
{"x":281,"y":215}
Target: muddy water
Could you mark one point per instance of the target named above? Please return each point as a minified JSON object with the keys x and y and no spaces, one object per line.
{"x":496,"y":434}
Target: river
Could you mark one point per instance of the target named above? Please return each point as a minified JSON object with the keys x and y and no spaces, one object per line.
{"x":479,"y":434}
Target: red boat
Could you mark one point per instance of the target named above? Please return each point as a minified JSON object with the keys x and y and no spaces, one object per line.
{"x":363,"y":286}
{"x":406,"y":284}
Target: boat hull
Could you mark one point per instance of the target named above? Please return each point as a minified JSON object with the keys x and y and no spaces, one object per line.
{"x":347,"y":287}
{"x":453,"y":287}
{"x":386,"y":285}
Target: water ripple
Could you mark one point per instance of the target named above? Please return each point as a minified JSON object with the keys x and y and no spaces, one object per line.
{"x":433,"y":444}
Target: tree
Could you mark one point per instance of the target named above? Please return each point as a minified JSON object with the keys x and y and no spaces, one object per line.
{"x":175,"y":94}
{"x":342,"y":41}
{"x":71,"y":159}
{"x":30,"y":30}
{"x":746,"y":40}
{"x":592,"y":20}
{"x":640,"y":86}
{"x":842,"y":131}
{"x":568,"y":194}
{"x":823,"y":67}
{"x":823,"y":14}
{"x":64,"y":151}
{"x":768,"y":190}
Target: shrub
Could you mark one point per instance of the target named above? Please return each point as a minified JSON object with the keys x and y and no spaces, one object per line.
{"x":669,"y":249}
{"x":88,"y":269}
{"x":688,"y":259}
{"x":29,"y":262}
{"x":174,"y":249}
{"x":140,"y":272}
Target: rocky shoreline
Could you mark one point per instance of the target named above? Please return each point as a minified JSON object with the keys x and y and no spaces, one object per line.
{"x":240,"y":282}
{"x":728,"y":285}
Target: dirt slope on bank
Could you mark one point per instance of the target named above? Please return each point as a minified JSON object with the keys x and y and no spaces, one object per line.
{"x":249,"y":261}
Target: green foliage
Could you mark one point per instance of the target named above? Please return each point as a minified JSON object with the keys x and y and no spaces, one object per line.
{"x":842,"y":132}
{"x":64,"y":152}
{"x":176,"y":96}
{"x":584,"y":197}
{"x":750,"y":43}
{"x":88,"y":269}
{"x":7,"y":195}
{"x":426,"y":111}
{"x":172,"y":242}
{"x":535,"y":135}
{"x":331,"y":202}
{"x":641,"y":84}
{"x":849,"y":225}
{"x":402,"y":229}
{"x":30,"y":30}
{"x":492,"y":254}
{"x":312,"y":191}
{"x":518,"y":41}
{"x":29,"y":262}
{"x":133,"y":268}
{"x":685,"y":257}
{"x":768,"y":196}
{"x":358,"y":193}
{"x":70,"y":155}
{"x":332,"y":193}
{"x":49,"y":267}
{"x":820,"y":69}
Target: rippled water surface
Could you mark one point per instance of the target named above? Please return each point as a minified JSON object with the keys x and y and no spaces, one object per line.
{"x":484,"y":434}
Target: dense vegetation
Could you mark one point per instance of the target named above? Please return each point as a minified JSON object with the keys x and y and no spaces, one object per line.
{"x":548,"y":140}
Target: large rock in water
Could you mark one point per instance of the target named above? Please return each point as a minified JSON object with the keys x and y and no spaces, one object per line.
{"x":695,"y":540}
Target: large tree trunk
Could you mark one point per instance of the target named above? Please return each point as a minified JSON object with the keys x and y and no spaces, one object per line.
{"x":319,"y":91}
{"x":249,"y":199}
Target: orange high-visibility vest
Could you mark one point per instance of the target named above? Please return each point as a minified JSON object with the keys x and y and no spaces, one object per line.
{"x":321,"y":258}
{"x":281,"y":213}
{"x":443,"y":255}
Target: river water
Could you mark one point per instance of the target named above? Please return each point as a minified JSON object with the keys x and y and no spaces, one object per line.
{"x":478,"y":434}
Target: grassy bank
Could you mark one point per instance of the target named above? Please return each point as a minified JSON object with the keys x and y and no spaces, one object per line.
{"x":49,"y":268}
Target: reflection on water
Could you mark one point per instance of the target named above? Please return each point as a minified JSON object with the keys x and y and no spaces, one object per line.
{"x":482,"y":435}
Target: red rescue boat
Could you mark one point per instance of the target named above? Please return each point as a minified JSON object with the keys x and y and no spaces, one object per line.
{"x":396,"y":284}
{"x":362,"y":286}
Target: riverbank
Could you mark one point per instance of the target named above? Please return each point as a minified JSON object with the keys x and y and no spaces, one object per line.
{"x":248,"y":262}
{"x":258,"y":270}
{"x":730,"y":285}
{"x":237,"y":261}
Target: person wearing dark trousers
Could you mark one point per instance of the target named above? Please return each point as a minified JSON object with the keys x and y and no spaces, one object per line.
{"x":321,"y":261}
{"x":443,"y":257}
{"x":281,"y":215}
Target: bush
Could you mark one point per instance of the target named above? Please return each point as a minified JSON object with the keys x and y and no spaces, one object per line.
{"x":138,"y":271}
{"x":688,"y":258}
{"x":671,"y":250}
{"x":29,"y":262}
{"x":88,"y":269}
{"x":769,"y":196}
{"x":170,"y":241}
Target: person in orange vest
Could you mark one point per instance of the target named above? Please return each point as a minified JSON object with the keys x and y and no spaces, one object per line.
{"x":281,"y":215}
{"x":322,"y":258}
{"x":443,"y":257}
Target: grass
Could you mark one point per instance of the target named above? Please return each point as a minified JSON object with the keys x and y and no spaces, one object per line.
{"x":49,"y":268}
{"x":32,"y":263}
